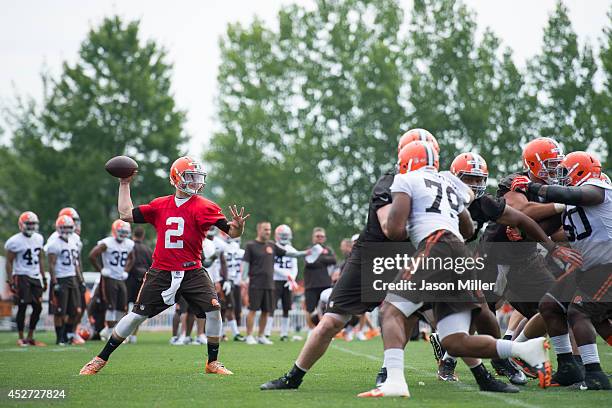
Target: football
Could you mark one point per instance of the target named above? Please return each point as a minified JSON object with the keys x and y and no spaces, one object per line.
{"x":121,"y":166}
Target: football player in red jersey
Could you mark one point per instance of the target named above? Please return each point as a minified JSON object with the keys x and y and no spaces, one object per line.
{"x":181,"y":221}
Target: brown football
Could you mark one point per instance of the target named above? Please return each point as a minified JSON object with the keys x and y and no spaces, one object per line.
{"x":121,"y":166}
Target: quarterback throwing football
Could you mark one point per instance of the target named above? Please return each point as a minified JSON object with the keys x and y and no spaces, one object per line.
{"x":181,"y":221}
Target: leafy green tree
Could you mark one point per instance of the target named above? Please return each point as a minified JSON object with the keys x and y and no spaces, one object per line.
{"x":603,"y":103}
{"x":561,"y":77}
{"x":116,"y":99}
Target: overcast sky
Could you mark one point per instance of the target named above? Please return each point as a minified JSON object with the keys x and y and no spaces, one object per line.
{"x":37,"y":34}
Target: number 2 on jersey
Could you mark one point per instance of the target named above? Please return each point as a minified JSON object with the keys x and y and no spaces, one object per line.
{"x":176,"y":232}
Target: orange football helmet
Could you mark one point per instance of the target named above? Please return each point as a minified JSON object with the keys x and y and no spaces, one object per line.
{"x":578,"y":167}
{"x":72,"y":213}
{"x":187,"y":175}
{"x":417,"y":134}
{"x":416,"y":155}
{"x":121,"y":230}
{"x":472,"y":165}
{"x":283,"y":234}
{"x":541,"y":157}
{"x":64,"y":225}
{"x":28,"y":223}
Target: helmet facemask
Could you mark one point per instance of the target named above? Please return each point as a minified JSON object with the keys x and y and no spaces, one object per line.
{"x":122,"y":234}
{"x":284,"y":238}
{"x":192,"y":182}
{"x":476,"y":181}
{"x":548,"y":169}
{"x":65,"y":231}
{"x":29,"y":228}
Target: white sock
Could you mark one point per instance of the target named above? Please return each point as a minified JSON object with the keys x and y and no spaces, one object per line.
{"x":561,"y":344}
{"x":509,"y":332}
{"x":447,"y":356}
{"x":589,"y":354}
{"x":394,"y":361}
{"x":284,"y":326}
{"x":233,"y":325}
{"x":521,"y":338}
{"x":268,"y":329}
{"x":504,"y":348}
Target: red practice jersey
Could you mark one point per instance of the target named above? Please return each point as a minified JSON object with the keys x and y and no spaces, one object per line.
{"x":180,"y":229}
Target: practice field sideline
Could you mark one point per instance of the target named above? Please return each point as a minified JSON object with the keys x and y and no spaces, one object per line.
{"x":155,"y":374}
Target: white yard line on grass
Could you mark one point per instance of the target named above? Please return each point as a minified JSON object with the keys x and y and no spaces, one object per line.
{"x":501,"y":397}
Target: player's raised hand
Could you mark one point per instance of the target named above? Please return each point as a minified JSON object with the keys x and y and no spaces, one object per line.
{"x":238,"y":218}
{"x":520,"y":183}
{"x":129,"y":179}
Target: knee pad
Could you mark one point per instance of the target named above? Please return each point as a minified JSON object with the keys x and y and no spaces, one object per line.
{"x":128,"y":324}
{"x":214,"y":325}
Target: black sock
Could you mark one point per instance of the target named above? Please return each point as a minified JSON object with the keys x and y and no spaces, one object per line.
{"x":565,"y":358}
{"x":578,"y":359}
{"x":213,"y":351}
{"x":59,"y":334}
{"x":110,"y":346}
{"x":297,"y":373}
{"x":589,"y":368}
{"x":480,"y":372}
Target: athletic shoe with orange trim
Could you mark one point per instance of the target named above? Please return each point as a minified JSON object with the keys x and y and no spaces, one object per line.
{"x":33,"y":342}
{"x":372,"y":333}
{"x":93,"y":367}
{"x":528,"y":370}
{"x":22,"y":343}
{"x":387,"y":390}
{"x":217,"y":367}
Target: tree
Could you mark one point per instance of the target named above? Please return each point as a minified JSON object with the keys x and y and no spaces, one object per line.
{"x":310,"y":113}
{"x":561,"y":77}
{"x":603,"y":103}
{"x":115,"y":99}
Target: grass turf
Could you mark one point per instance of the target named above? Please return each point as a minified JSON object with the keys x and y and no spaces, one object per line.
{"x":154,"y":374}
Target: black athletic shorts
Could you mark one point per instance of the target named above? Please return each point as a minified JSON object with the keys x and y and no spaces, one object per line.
{"x":133,"y":286}
{"x":196,"y":287}
{"x":114,"y":292}
{"x":593,"y":296}
{"x":346,"y":298}
{"x":27,"y":289}
{"x":182,"y":306}
{"x":66,"y":300}
{"x":284,"y":294}
{"x":312,"y":296}
{"x":261,"y":299}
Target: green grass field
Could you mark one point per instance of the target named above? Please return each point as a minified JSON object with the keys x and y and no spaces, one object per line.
{"x":155,"y":374}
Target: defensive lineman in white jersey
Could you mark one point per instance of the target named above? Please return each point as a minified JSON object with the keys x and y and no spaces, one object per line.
{"x":25,"y":274}
{"x":430,"y":209}
{"x":587,"y":221}
{"x":117,"y":256}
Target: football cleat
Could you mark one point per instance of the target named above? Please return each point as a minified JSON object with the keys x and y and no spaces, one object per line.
{"x":381,"y":377}
{"x":93,"y":367}
{"x":535,"y":353}
{"x":250,"y":340}
{"x":283,"y":383}
{"x":506,"y":368}
{"x":568,"y":373}
{"x":284,"y":338}
{"x":596,"y":380}
{"x":446,"y":370}
{"x":23,"y":343}
{"x":387,"y":390}
{"x":372,"y":333}
{"x":361,"y":336}
{"x":491,"y":384}
{"x":525,"y":368}
{"x":264,"y":340}
{"x":239,"y":337}
{"x":34,"y":342}
{"x":216,"y":367}
{"x":436,"y":345}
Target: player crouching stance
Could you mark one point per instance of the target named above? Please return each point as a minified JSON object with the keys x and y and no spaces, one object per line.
{"x":429,"y":208}
{"x":181,"y":221}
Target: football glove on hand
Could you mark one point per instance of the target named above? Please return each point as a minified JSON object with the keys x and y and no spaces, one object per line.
{"x":227,"y":287}
{"x":57,"y":288}
{"x":567,"y":255}
{"x":513,"y":234}
{"x":124,"y":275}
{"x":520,"y":183}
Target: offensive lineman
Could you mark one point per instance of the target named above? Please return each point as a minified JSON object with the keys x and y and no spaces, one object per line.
{"x":24,"y":272}
{"x":181,"y":221}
